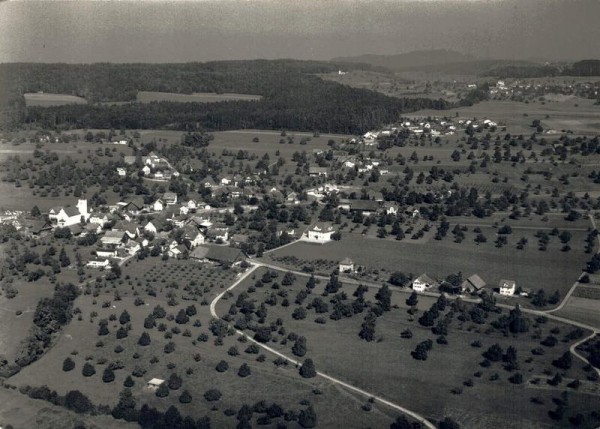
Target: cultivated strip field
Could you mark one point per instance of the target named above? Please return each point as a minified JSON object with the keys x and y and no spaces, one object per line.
{"x":196,"y":97}
{"x":45,"y":100}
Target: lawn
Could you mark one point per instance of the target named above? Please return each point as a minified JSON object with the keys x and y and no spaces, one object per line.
{"x":20,"y":411}
{"x":385,"y":366}
{"x":584,"y":310}
{"x":34,"y":99}
{"x":577,"y":114}
{"x":552,"y":270}
{"x":196,"y":97}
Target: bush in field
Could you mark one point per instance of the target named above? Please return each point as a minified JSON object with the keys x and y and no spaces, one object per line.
{"x":144,"y":339}
{"x":307,"y":370}
{"x":175,"y":382}
{"x":124,"y":318}
{"x":162,"y":391}
{"x":222,"y":366}
{"x":307,"y":418}
{"x":128,"y":382}
{"x":108,"y":375}
{"x":244,"y":370}
{"x":68,"y":364}
{"x":182,"y":318}
{"x":185,"y":397}
{"x":299,"y":347}
{"x":78,"y":402}
{"x":212,"y":395}
{"x":88,"y":370}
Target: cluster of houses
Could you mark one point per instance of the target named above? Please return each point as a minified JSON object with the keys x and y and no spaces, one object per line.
{"x":473,"y":285}
{"x":153,"y":166}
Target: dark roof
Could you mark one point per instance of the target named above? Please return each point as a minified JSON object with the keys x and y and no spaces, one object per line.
{"x":223,"y":254}
{"x":364,"y":205}
{"x":476,"y":281}
{"x":72,"y":211}
{"x":199,"y":252}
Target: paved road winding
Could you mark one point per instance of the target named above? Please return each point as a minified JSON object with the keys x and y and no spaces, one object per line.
{"x":333,"y":380}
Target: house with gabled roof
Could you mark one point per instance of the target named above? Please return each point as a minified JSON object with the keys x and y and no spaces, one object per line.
{"x":346,"y":265}
{"x":473,"y":284}
{"x":320,"y":232}
{"x":170,"y":198}
{"x":424,"y":283}
{"x":317,"y":171}
{"x":67,"y":216}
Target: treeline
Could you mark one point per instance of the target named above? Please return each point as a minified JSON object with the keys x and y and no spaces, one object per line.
{"x":579,"y":68}
{"x":50,"y":316}
{"x":307,"y":104}
{"x":293,"y":97}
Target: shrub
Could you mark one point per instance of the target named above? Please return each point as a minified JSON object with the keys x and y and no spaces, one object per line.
{"x":68,"y":365}
{"x":144,"y":339}
{"x":222,"y":366}
{"x":185,"y":397}
{"x":307,"y":370}
{"x":212,"y":395}
{"x":88,"y":370}
{"x":108,"y":375}
{"x":244,"y":371}
{"x":162,"y":391}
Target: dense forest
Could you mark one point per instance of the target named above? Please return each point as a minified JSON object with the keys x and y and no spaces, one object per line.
{"x":579,"y":68}
{"x":293,"y":97}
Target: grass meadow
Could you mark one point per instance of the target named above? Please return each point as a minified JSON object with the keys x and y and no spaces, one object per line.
{"x":35,"y":99}
{"x":386,"y":367}
{"x":196,"y":97}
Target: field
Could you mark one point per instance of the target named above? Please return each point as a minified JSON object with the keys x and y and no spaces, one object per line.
{"x":81,"y":342}
{"x":584,"y":310}
{"x":46,"y":100}
{"x":22,"y":412}
{"x":385,"y":366}
{"x":576,"y":114}
{"x":197,"y":97}
{"x":552,"y":270}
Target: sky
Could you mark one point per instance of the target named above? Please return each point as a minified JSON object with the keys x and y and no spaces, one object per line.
{"x":85,"y":31}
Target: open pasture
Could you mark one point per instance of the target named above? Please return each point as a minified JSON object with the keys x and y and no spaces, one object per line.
{"x":584,"y":309}
{"x":576,"y":114}
{"x":194,"y":358}
{"x":34,"y":99}
{"x":385,"y":366}
{"x":552,"y":270}
{"x":196,"y":97}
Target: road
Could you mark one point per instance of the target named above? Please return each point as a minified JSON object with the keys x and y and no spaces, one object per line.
{"x":333,"y":380}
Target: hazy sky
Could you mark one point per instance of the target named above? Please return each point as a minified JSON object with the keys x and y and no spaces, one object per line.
{"x":177,"y":31}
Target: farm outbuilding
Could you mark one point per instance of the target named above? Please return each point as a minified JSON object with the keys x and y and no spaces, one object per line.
{"x":346,"y":265}
{"x":154,"y":384}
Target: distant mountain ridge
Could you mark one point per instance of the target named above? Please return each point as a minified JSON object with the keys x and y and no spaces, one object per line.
{"x":410,"y":60}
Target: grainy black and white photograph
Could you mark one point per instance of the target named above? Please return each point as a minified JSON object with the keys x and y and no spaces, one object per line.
{"x":353,"y":214}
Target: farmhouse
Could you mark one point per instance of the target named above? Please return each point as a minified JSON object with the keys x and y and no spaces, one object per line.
{"x":114,"y":238}
{"x":390,"y":208}
{"x":366,"y":207}
{"x":317,"y":171}
{"x":158,"y":205}
{"x":193,"y":236}
{"x":170,"y":198}
{"x":98,"y":264}
{"x":507,"y":287}
{"x":321,"y":232}
{"x":473,"y":284}
{"x":423,"y":283}
{"x":346,"y":265}
{"x":223,"y":255}
{"x":66,"y":216}
{"x":154,"y":384}
{"x":121,"y":171}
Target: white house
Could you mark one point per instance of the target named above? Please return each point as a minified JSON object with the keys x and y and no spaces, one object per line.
{"x":423,"y":283}
{"x":507,"y":287}
{"x":150,"y":227}
{"x":67,"y":216}
{"x":390,"y":208}
{"x":105,"y":253}
{"x":321,"y":232}
{"x":146,"y":170}
{"x":98,"y":264}
{"x":99,"y":219}
{"x":346,"y":266}
{"x":154,"y":384}
{"x":121,"y":172}
{"x":158,"y":205}
{"x":170,"y":198}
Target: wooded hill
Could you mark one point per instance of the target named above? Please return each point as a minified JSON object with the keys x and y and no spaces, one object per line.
{"x":293,"y":96}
